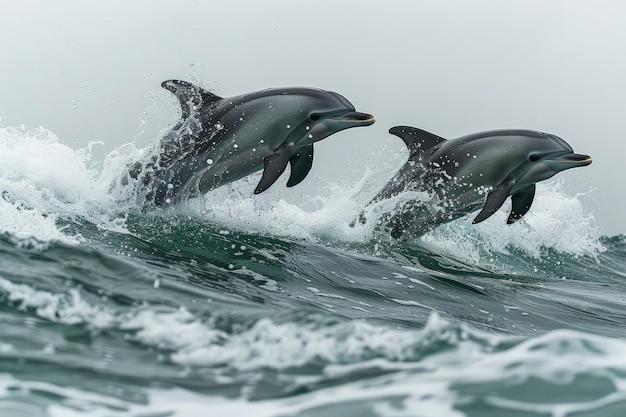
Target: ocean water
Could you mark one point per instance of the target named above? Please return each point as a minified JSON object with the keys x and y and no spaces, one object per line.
{"x":241,"y":305}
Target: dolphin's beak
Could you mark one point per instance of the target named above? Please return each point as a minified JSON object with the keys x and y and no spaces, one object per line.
{"x":569,"y":160}
{"x":576,"y":159}
{"x":355,"y":118}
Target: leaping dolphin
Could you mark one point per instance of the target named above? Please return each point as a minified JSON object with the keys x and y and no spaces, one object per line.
{"x":219,"y":140}
{"x":459,"y":173}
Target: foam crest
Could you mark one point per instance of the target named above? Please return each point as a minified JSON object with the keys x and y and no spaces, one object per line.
{"x":55,"y":182}
{"x":286,"y":212}
{"x":43,"y":181}
{"x":164,"y":327}
{"x":171,"y":329}
{"x":475,"y":369}
{"x":280,"y":346}
{"x":478,"y":363}
{"x":196,"y":342}
{"x":37,"y":156}
{"x":26,"y":226}
{"x":67,"y":308}
{"x":556,"y":221}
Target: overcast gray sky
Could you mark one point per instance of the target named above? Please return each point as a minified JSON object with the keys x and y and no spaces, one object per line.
{"x":91,"y":71}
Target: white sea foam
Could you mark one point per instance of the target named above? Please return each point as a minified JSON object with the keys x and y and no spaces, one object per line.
{"x":279,"y":346}
{"x":287,"y":212}
{"x":417,"y":377}
{"x":53,"y":181}
{"x":27,"y":227}
{"x":436,"y":383}
{"x":556,"y":220}
{"x":197,"y":342}
{"x":67,"y":308}
{"x":45,"y":181}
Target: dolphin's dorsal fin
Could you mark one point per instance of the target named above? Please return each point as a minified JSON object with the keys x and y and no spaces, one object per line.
{"x":191,"y":97}
{"x":417,"y":140}
{"x":301,"y":164}
{"x":495,"y":199}
{"x":521,"y":203}
{"x":273,"y":166}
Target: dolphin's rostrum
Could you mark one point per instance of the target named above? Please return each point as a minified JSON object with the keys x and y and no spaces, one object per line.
{"x":470,"y":172}
{"x":219,"y":140}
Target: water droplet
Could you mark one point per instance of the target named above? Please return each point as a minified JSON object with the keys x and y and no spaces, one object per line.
{"x":235,"y":146}
{"x":310,"y":136}
{"x":209,"y":161}
{"x":288,"y":126}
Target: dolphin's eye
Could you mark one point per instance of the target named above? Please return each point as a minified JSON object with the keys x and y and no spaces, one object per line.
{"x":315,"y":117}
{"x":534,"y":157}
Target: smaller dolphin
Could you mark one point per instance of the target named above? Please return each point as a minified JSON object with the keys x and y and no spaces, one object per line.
{"x":219,"y":140}
{"x":470,"y":172}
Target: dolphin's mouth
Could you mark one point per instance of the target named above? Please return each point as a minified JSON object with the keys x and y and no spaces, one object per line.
{"x":569,"y":160}
{"x":577,"y":159}
{"x":355,"y":118}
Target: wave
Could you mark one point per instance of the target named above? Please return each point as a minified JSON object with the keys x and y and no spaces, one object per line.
{"x":272,"y":305}
{"x":444,"y":369}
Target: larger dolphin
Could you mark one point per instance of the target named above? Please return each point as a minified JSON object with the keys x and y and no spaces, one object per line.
{"x":219,"y":140}
{"x":470,"y":172}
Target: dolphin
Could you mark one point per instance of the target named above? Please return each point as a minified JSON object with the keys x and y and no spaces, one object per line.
{"x":220,"y":140}
{"x":464,"y":174}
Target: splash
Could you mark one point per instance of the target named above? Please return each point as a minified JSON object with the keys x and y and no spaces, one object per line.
{"x":325,"y":216}
{"x":556,"y":221}
{"x":45,"y":183}
{"x":39,"y":178}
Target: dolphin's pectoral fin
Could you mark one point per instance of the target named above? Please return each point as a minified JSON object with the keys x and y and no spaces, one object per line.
{"x":521,"y":203}
{"x":191,"y":97}
{"x":495,"y":199}
{"x":301,"y":164}
{"x":274,"y":166}
{"x":417,"y":140}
